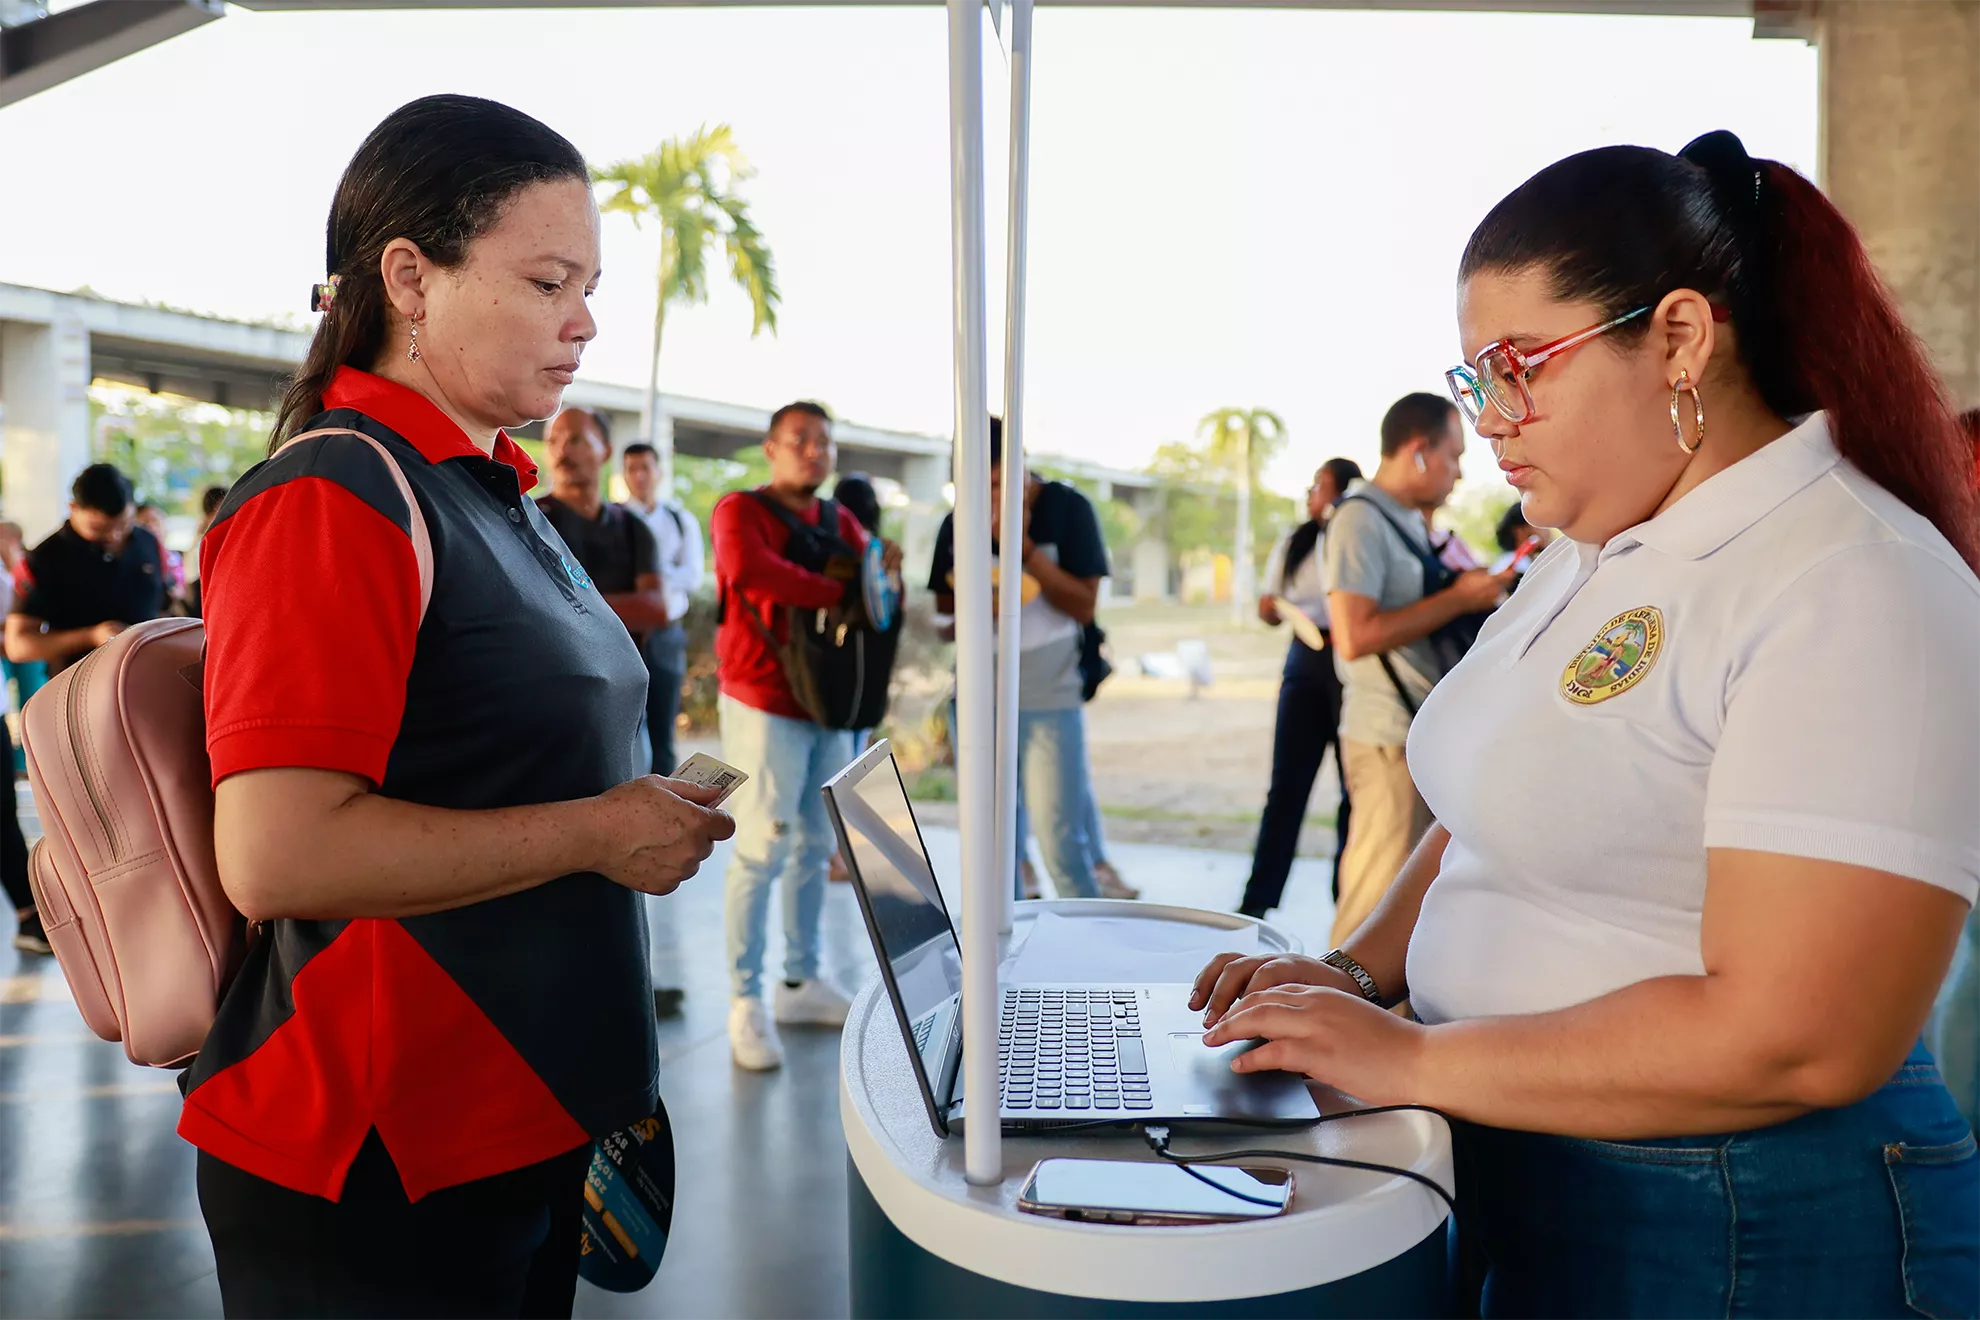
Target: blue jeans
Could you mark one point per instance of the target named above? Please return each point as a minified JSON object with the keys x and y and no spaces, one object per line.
{"x":781,"y":831}
{"x":1054,"y":782}
{"x":1954,"y":1033}
{"x":1870,"y":1210}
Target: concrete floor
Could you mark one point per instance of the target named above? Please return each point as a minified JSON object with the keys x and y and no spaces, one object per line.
{"x":98,"y":1215}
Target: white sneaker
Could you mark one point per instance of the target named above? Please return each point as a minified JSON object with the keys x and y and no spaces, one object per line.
{"x":816,"y":1003}
{"x":752,"y":1036}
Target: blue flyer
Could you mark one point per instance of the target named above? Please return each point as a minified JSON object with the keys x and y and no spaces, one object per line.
{"x":628,"y":1205}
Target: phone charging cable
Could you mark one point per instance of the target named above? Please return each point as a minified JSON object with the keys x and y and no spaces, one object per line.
{"x":1157,"y":1137}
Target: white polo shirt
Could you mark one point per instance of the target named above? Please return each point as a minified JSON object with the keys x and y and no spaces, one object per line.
{"x":1784,"y":661}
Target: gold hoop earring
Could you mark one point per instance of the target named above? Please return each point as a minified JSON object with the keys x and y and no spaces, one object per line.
{"x":1683,"y":386}
{"x":412,"y":355}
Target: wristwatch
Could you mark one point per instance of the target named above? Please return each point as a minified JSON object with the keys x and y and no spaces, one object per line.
{"x":1358,"y":974}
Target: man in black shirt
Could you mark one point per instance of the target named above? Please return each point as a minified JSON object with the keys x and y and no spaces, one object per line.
{"x":615,"y":548}
{"x":96,"y":576}
{"x":72,"y":593}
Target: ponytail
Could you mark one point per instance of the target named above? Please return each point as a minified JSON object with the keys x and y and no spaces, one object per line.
{"x":1839,"y":344}
{"x":437,"y":172}
{"x":1816,"y":329}
{"x":351,"y":333}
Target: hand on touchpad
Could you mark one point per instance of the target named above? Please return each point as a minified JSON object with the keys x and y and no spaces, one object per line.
{"x":1192,"y":1056}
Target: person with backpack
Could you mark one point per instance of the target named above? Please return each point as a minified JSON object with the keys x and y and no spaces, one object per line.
{"x":784,"y":559}
{"x":1062,"y":561}
{"x":1309,"y":714}
{"x":1704,"y":787}
{"x":678,"y":537}
{"x":421,"y":718}
{"x":1389,"y":597}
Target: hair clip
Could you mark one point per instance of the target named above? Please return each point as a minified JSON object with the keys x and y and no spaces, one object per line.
{"x":321,"y":296}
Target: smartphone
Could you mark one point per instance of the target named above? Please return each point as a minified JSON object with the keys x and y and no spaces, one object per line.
{"x":1511,"y":557}
{"x":1145,"y":1192}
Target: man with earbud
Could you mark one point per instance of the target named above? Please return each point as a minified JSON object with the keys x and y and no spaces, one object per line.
{"x":1383,"y":624}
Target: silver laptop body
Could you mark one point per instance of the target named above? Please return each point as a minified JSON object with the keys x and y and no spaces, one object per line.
{"x":1072,"y":1055}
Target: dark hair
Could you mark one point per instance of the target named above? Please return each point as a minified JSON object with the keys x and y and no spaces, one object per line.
{"x":855,"y":491}
{"x":996,"y":441}
{"x":1510,"y":522}
{"x":1621,"y":227}
{"x":804,"y":407}
{"x":211,"y":499}
{"x":1969,"y":422}
{"x":1415,"y":416}
{"x":1343,"y":471}
{"x":438,"y":172}
{"x":640,"y":449}
{"x":149,"y":507}
{"x":103,"y":489}
{"x":597,"y":419}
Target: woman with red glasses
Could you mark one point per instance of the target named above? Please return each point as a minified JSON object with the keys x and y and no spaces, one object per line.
{"x":1668,"y":977}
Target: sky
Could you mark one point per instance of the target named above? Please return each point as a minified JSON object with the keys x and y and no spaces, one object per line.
{"x":1259,"y":209}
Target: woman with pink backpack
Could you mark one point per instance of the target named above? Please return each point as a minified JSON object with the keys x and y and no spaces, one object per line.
{"x":421,"y":719}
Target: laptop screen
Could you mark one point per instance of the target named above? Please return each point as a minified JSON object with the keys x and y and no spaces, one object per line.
{"x":908,"y":915}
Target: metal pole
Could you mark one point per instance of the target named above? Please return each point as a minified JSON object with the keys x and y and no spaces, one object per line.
{"x":983,"y":1157}
{"x":1011,"y":534}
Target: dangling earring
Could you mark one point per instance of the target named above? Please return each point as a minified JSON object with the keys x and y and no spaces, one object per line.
{"x":412,"y":354}
{"x":1684,"y":385}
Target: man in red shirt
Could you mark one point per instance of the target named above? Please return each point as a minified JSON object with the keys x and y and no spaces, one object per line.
{"x":782,"y":828}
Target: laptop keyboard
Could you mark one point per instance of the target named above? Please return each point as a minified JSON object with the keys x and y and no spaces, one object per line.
{"x":1073,"y":1051}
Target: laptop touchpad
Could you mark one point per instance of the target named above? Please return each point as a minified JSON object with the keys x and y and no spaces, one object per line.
{"x":1206,"y":1072}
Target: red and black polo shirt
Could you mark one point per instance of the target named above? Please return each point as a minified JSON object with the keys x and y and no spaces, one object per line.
{"x":478,"y":1040}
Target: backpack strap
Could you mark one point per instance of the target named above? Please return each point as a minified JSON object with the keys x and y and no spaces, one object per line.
{"x":1435,"y":575}
{"x":828,"y":515}
{"x":1427,"y":560}
{"x":422,"y":541}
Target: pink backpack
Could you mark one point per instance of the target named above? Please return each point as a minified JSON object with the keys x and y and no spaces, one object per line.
{"x":124,"y":876}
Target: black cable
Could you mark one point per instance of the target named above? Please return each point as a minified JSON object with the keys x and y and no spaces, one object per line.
{"x":1157,"y":1137}
{"x":1202,"y":1177}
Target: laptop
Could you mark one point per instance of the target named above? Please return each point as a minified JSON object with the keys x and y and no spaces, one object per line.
{"x":1072,"y":1055}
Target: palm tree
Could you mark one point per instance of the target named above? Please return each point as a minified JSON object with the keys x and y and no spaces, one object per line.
{"x":687,"y":187}
{"x":1243,"y":442}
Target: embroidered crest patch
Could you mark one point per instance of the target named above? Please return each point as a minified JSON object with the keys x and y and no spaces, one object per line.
{"x":1621,"y":654}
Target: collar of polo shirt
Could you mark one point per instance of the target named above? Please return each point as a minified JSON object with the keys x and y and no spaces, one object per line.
{"x":1738,"y":497}
{"x":419,"y":422}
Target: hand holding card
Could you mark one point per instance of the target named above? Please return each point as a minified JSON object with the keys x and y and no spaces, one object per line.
{"x":705,"y":771}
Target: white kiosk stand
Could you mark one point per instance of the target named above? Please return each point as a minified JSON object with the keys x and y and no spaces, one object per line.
{"x":925,"y":1241}
{"x":934,"y":1227}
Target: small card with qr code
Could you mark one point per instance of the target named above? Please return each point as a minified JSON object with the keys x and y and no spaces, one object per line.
{"x":707,"y":772}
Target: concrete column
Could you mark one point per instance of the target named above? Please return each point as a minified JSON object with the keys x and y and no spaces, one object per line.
{"x":922,"y":477}
{"x":44,"y":436}
{"x":1900,"y":106}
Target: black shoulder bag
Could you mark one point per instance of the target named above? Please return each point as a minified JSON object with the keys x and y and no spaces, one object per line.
{"x":1454,"y":639}
{"x":838,"y":668}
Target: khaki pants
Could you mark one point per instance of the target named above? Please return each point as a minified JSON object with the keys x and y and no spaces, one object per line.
{"x":1389,"y":819}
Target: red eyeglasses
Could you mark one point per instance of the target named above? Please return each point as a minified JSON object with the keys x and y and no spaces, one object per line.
{"x":1501,"y":372}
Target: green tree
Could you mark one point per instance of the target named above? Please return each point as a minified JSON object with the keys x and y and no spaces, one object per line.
{"x":1474,"y":513}
{"x":1198,"y":504}
{"x":1242,"y":442}
{"x":687,"y":188}
{"x":172,"y":448}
